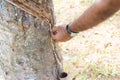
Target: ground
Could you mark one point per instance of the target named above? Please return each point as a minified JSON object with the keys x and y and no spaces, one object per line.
{"x":94,"y":53}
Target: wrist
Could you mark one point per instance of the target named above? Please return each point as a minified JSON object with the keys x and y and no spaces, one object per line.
{"x":70,"y":32}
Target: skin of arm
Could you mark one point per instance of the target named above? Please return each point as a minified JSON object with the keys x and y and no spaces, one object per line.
{"x":97,"y":13}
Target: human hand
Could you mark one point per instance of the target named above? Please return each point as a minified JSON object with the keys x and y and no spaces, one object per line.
{"x":60,"y":34}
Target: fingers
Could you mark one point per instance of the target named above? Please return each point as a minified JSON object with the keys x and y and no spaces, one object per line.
{"x":53,"y":36}
{"x":54,"y":29}
{"x":54,"y":33}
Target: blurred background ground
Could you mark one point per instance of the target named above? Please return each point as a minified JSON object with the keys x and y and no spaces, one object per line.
{"x":95,"y":53}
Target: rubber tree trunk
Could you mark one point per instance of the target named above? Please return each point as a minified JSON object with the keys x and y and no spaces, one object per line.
{"x":26,"y":51}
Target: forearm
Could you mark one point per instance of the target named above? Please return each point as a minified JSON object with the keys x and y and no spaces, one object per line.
{"x":97,"y":13}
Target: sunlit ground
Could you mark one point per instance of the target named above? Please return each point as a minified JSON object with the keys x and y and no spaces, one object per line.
{"x":94,"y":54}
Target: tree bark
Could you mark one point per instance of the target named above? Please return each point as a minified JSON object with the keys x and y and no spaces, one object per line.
{"x":26,"y":51}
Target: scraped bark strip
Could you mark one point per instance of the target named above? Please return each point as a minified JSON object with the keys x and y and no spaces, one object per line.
{"x":31,"y":8}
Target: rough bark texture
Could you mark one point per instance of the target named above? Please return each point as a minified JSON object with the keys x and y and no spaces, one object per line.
{"x":25,"y":47}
